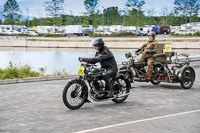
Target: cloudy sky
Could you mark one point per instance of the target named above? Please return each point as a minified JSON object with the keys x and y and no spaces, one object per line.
{"x":76,"y":7}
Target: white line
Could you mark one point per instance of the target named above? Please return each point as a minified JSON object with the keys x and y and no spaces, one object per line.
{"x":137,"y":121}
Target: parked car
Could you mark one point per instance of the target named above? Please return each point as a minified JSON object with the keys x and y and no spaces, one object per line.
{"x":141,"y":33}
{"x":9,"y":32}
{"x":165,"y":29}
{"x":191,"y":31}
{"x":180,"y":32}
{"x":185,"y":32}
{"x":29,"y":32}
{"x":107,"y":33}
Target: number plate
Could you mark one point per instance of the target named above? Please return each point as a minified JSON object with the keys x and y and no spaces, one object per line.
{"x":168,"y":48}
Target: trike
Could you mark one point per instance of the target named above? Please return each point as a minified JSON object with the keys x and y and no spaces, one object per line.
{"x":164,"y":70}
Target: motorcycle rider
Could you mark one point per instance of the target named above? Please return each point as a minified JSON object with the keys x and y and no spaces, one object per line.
{"x":107,"y":61}
{"x":149,"y":49}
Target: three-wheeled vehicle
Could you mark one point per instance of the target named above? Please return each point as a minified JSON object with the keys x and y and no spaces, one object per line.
{"x":165,"y":69}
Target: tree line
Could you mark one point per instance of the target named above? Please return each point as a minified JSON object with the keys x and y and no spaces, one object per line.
{"x":184,"y":11}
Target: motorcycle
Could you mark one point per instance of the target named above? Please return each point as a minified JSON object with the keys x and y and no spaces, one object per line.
{"x":90,"y":83}
{"x":180,"y":72}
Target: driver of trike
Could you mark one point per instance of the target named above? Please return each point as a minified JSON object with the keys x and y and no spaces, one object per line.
{"x":149,"y":48}
{"x":107,"y":61}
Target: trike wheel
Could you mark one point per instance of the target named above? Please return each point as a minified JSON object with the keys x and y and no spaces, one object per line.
{"x":122,"y":87}
{"x":74,"y":95}
{"x":154,"y":82}
{"x":187,"y":78}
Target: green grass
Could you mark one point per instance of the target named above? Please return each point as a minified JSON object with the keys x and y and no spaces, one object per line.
{"x":17,"y":72}
{"x":25,"y":71}
{"x":123,"y":34}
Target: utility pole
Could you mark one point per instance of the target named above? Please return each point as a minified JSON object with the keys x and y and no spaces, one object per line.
{"x":27,"y":17}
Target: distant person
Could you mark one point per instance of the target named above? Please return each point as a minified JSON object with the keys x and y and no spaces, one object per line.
{"x":107,"y":61}
{"x":149,"y":49}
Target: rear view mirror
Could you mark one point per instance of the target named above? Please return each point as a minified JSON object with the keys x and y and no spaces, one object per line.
{"x":128,"y":55}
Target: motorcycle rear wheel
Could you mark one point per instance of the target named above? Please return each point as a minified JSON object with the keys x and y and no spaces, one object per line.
{"x":188,"y":78}
{"x":124,"y":85}
{"x":154,"y":82}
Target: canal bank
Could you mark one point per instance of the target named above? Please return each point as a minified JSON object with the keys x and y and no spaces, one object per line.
{"x":114,"y":43}
{"x":36,"y":79}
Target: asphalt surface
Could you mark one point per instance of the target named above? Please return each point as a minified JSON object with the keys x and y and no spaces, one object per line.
{"x":37,"y":107}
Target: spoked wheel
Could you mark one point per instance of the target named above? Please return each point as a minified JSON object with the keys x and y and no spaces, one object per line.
{"x":74,"y":95}
{"x":122,"y":86}
{"x":188,"y":77}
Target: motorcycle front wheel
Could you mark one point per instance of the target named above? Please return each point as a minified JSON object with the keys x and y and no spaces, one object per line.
{"x":122,"y":86}
{"x":74,"y":94}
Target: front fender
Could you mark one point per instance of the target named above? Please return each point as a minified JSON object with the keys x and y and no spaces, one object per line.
{"x":83,"y":83}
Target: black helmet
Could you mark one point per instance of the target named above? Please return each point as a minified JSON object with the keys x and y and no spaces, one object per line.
{"x":152,"y":34}
{"x":99,"y":42}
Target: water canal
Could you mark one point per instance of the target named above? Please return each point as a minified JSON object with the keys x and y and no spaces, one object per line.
{"x":57,"y":60}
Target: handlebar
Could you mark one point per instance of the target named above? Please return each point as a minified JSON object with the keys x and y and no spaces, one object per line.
{"x":88,"y":65}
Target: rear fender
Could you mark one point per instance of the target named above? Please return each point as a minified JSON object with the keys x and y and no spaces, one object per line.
{"x":193,"y":71}
{"x":125,"y":72}
{"x":121,"y":76}
{"x":183,"y":68}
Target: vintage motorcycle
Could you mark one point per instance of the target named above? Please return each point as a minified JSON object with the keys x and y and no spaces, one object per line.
{"x":180,"y":72}
{"x":90,"y":82}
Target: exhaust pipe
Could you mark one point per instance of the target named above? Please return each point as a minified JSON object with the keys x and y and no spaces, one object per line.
{"x":140,"y":80}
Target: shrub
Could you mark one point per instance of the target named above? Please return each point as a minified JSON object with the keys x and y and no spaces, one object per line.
{"x":15,"y":72}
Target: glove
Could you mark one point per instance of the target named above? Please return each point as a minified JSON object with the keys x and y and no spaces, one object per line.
{"x":137,"y":51}
{"x":81,"y":59}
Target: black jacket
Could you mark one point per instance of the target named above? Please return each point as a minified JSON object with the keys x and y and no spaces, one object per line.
{"x":105,"y":57}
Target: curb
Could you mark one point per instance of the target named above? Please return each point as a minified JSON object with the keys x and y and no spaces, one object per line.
{"x":36,"y":79}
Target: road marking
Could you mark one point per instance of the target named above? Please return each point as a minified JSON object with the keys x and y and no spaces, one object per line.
{"x":137,"y":121}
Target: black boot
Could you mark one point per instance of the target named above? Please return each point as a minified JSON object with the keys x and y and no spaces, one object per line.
{"x":110,"y":93}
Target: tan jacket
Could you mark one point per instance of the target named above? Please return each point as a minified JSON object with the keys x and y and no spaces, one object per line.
{"x":149,"y":45}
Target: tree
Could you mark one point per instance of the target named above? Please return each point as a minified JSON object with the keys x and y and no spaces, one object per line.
{"x":135,"y":4}
{"x":136,"y":7}
{"x":149,"y":19}
{"x":187,"y":8}
{"x":112,"y":16}
{"x":54,"y":9}
{"x":90,"y":6}
{"x":11,"y":12}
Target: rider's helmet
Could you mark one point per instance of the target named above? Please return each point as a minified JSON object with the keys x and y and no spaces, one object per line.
{"x":152,"y":34}
{"x":98,"y":42}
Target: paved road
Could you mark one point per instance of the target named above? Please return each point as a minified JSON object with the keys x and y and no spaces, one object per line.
{"x":38,"y":108}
